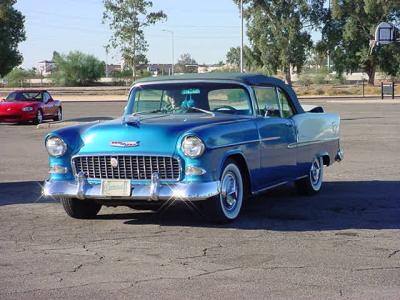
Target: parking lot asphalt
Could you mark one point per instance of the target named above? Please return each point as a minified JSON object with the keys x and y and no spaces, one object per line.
{"x":342,"y":243}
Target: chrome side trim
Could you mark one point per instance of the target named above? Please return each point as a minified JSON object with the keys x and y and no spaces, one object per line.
{"x":270,"y":187}
{"x":235,"y":144}
{"x":307,"y":143}
{"x":273,"y":138}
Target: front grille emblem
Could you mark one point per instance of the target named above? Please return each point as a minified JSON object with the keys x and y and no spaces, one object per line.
{"x":114,"y":162}
{"x":124,"y":144}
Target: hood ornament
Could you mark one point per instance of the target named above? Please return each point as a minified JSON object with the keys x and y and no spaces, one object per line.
{"x":131,"y":119}
{"x":124,"y":144}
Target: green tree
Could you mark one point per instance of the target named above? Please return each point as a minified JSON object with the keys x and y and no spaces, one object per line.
{"x":348,"y":29}
{"x":127,"y":19}
{"x":390,"y":66}
{"x":251,"y":61}
{"x":186,"y":64}
{"x":233,"y":56}
{"x":278,"y":32}
{"x":77,"y":68}
{"x":19,"y":77}
{"x":12,"y":32}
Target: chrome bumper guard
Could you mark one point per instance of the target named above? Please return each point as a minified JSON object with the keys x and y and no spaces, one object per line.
{"x":339,"y":155}
{"x":155,"y":190}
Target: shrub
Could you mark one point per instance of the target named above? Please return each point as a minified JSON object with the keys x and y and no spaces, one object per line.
{"x":77,"y":69}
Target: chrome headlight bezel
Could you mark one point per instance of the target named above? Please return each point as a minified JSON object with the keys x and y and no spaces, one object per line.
{"x":56,"y":146}
{"x":192,"y":146}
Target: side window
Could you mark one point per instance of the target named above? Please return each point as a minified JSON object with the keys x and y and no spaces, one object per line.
{"x":148,"y":100}
{"x":230,"y":101}
{"x":46,"y":97}
{"x":267,"y":100}
{"x":287,"y":110}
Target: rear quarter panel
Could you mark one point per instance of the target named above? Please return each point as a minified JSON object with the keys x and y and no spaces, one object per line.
{"x":317,"y":134}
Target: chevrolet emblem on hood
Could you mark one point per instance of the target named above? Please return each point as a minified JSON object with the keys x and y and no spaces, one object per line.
{"x":124,"y":144}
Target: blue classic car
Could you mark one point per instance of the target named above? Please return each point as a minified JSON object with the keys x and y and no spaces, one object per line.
{"x":210,"y":140}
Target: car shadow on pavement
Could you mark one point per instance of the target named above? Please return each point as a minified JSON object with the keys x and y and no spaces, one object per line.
{"x":340,"y":205}
{"x":25,"y":192}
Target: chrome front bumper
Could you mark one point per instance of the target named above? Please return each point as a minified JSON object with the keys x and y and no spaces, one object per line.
{"x":82,"y":189}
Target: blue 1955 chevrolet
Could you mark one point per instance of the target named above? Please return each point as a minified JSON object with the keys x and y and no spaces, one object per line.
{"x":213,"y":140}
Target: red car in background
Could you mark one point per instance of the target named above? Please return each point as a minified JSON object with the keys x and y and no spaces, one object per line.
{"x":30,"y":105}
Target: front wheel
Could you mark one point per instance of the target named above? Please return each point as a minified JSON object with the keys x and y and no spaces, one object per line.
{"x":58,"y":116}
{"x":38,"y":118}
{"x":80,"y":209}
{"x":312,"y":184}
{"x":227,"y":205}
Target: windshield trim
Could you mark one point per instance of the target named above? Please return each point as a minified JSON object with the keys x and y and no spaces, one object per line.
{"x":245,"y":86}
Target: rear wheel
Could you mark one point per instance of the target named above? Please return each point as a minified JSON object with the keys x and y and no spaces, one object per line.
{"x":58,"y":117}
{"x":227,"y":205}
{"x":80,"y":209}
{"x":38,"y":118}
{"x":312,"y":184}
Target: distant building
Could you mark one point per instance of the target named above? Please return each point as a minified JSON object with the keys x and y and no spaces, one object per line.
{"x":159,"y":69}
{"x":209,"y":68}
{"x":45,"y":67}
{"x":110,"y":69}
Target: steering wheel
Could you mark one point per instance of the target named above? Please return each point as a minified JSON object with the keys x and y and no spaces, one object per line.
{"x":226,"y":107}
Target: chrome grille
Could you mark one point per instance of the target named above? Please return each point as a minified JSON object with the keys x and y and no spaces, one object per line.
{"x":129,"y":167}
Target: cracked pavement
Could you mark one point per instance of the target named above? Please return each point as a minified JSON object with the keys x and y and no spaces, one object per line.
{"x":343,"y":243}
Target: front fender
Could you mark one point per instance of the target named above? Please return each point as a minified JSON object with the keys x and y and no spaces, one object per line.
{"x":222,"y":141}
{"x":72,"y":137}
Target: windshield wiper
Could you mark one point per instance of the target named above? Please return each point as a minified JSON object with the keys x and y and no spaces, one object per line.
{"x":202,"y":110}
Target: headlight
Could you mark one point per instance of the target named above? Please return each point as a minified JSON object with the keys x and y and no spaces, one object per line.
{"x":192,"y":146}
{"x":56,"y":146}
{"x":27,"y":108}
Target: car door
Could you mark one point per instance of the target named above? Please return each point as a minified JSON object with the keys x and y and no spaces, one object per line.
{"x":48,"y":105}
{"x":276,"y":133}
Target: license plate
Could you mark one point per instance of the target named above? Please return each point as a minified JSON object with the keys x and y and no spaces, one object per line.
{"x":116,"y":188}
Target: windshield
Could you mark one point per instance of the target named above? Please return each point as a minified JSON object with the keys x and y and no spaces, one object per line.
{"x":24,"y":96}
{"x":181,"y":98}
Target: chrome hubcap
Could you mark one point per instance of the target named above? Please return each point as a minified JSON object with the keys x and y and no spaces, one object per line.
{"x":40,"y":117}
{"x":315,"y":171}
{"x":59,"y":114}
{"x":229,"y":191}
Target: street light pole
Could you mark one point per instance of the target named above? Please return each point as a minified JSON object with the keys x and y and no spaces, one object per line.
{"x":173,"y":50}
{"x":242,"y":38}
{"x":329,"y":52}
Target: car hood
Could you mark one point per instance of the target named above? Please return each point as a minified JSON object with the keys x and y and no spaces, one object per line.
{"x":16,"y":105}
{"x":156,"y":134}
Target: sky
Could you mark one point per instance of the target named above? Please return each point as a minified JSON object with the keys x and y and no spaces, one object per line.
{"x":204,"y":28}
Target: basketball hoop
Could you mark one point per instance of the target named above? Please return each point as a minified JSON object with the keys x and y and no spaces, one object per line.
{"x":385,"y":33}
